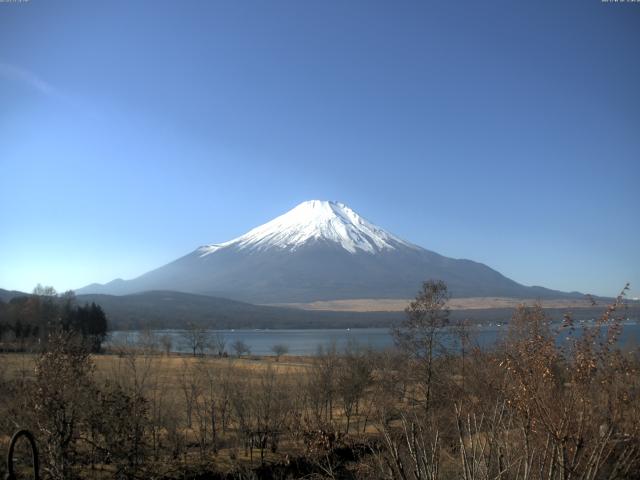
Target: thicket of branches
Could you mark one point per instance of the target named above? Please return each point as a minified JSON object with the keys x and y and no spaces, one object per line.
{"x":532,"y":407}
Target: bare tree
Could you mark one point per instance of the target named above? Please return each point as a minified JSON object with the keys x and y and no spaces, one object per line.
{"x":118,"y":424}
{"x":148,"y":341}
{"x":167,"y":343}
{"x":417,"y":335}
{"x":279,"y":350}
{"x":354,"y":376}
{"x":63,"y":389}
{"x":262,"y":406}
{"x":196,"y":337}
{"x":190,"y":387}
{"x":569,"y":398}
{"x":321,"y":384}
{"x":219,"y":343}
{"x":46,"y":291}
{"x":272,"y":407}
{"x":240,"y":347}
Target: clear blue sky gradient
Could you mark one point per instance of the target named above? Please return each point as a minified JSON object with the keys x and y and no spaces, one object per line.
{"x":504,"y":132}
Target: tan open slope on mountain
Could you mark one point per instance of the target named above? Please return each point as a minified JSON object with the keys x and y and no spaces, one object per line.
{"x":396,"y":305}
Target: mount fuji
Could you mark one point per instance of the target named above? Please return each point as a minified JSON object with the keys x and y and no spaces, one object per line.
{"x":317,"y":251}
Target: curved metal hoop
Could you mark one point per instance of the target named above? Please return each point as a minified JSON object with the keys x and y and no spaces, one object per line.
{"x":34,"y":454}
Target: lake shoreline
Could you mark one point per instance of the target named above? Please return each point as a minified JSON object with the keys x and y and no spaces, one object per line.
{"x":307,"y":342}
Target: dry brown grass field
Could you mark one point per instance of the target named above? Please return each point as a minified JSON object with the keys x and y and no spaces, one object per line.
{"x":171,"y":382}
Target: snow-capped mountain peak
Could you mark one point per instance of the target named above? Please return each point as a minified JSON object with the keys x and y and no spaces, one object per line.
{"x":315,"y":220}
{"x":319,"y":251}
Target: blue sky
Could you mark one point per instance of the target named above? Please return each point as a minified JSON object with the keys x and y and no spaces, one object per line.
{"x":504,"y":132}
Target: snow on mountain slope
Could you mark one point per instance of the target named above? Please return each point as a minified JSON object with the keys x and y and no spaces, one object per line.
{"x":319,"y":251}
{"x":315,"y":220}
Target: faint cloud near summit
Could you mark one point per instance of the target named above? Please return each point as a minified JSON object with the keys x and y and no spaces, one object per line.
{"x":15,"y":73}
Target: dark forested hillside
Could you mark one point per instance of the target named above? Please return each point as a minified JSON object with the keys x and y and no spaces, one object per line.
{"x":163,"y":309}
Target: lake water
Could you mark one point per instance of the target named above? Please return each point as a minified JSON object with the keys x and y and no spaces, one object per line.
{"x":307,"y":342}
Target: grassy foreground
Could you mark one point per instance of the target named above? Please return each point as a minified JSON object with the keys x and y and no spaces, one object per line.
{"x":173,"y":382}
{"x":527,"y":409}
